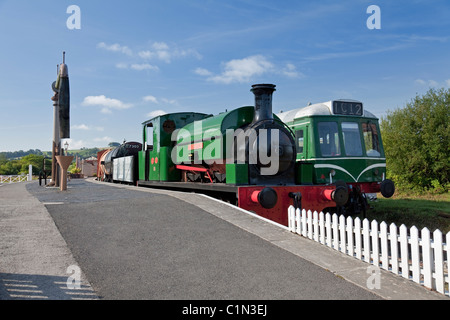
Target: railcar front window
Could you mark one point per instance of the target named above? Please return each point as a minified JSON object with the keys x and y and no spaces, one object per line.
{"x":329,"y":139}
{"x":352,"y":139}
{"x":371,"y":139}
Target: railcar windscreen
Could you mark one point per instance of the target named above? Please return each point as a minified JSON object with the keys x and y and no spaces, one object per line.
{"x":371,"y":139}
{"x":329,"y":139}
{"x":352,"y":139}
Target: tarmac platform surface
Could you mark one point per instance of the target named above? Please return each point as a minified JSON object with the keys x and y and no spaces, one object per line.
{"x":127,"y":242}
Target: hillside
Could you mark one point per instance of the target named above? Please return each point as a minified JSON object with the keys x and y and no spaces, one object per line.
{"x":83,"y":153}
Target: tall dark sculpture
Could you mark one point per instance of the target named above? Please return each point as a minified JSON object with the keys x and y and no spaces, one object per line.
{"x":61,"y":116}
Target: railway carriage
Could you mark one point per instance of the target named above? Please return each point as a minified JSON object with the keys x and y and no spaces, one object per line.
{"x":119,"y":164}
{"x":339,"y":142}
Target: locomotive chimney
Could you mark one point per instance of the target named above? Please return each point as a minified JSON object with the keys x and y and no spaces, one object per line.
{"x":263,"y":101}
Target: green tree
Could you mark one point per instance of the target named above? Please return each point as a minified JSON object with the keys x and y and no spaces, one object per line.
{"x":11,"y":167}
{"x":35,"y":160}
{"x":416,"y":141}
{"x":3,"y":158}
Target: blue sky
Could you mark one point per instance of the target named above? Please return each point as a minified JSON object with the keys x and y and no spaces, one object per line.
{"x":133,"y":59}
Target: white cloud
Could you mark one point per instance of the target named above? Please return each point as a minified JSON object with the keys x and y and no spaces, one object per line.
{"x":161,"y":51}
{"x":153,"y":99}
{"x":80,"y":127}
{"x":160,"y":46}
{"x":189,"y":52}
{"x":137,"y":66}
{"x":103,"y":139}
{"x":143,"y":66}
{"x":122,"y":66}
{"x":447,"y":82}
{"x":156,"y":113}
{"x":429,"y":83}
{"x":115,"y":48}
{"x":420,"y":81}
{"x":88,"y":143}
{"x":86,"y":128}
{"x":73,"y":144}
{"x":291,"y":71}
{"x":150,"y":99}
{"x":164,"y":56}
{"x":242,"y":70}
{"x":169,"y":101}
{"x":107,"y":104}
{"x":145,"y":54}
{"x":203,"y":72}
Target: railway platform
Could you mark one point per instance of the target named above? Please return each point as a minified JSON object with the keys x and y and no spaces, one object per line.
{"x":132,"y":243}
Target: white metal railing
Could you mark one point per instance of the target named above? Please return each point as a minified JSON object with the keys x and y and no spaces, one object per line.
{"x":17,"y":178}
{"x":13,"y":179}
{"x":420,"y":256}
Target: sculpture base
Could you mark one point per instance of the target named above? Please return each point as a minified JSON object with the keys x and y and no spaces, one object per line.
{"x":64,"y":162}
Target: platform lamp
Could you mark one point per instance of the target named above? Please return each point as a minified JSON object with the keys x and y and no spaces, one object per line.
{"x":66,"y":146}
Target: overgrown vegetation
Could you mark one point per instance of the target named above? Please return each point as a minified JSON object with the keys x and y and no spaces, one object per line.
{"x":416,"y":142}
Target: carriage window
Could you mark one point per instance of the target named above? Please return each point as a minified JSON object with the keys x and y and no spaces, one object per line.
{"x":352,"y":139}
{"x":329,"y":139}
{"x":149,"y":140}
{"x":299,"y":138}
{"x":371,"y":139}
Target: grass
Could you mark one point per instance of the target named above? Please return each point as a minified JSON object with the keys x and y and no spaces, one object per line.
{"x":430,"y":211}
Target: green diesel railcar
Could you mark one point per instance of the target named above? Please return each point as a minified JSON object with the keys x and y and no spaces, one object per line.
{"x":339,"y":142}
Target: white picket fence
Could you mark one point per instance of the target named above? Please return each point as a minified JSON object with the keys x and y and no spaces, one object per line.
{"x":416,"y":255}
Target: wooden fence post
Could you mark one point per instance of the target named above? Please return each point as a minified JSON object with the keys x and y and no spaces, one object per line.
{"x":342,"y":234}
{"x":366,"y":238}
{"x":350,"y":236}
{"x":394,"y":247}
{"x":375,"y":246}
{"x":384,"y":246}
{"x":358,"y":247}
{"x":439,"y":260}
{"x":427,"y":255}
{"x":329,"y":231}
{"x":415,"y":254}
{"x":404,"y":252}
